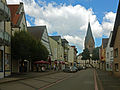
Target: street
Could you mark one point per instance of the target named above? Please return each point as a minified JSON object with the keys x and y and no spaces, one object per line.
{"x":82,"y":80}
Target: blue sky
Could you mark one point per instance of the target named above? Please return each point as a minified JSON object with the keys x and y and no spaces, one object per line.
{"x":69,"y":18}
{"x":100,"y":7}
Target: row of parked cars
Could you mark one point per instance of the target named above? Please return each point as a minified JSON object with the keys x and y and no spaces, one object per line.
{"x":73,"y":69}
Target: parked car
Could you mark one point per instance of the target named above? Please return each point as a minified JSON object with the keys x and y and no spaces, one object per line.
{"x":73,"y":69}
{"x":80,"y":68}
{"x":67,"y":69}
{"x":84,"y":67}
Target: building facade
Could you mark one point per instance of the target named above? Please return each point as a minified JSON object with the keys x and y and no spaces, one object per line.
{"x":40,"y":33}
{"x":109,"y":55}
{"x":18,"y":19}
{"x":103,"y":53}
{"x":18,"y":23}
{"x":5,"y":40}
{"x":60,"y":49}
{"x":115,"y":43}
{"x":53,"y":46}
{"x":71,"y":56}
{"x":65,"y":44}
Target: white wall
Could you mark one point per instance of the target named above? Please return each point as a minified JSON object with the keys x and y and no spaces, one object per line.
{"x":109,"y":55}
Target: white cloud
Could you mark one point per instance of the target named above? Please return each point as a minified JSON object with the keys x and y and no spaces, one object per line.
{"x":69,"y":21}
{"x":108,"y":23}
{"x":28,"y":24}
{"x":75,"y":40}
{"x":13,"y":1}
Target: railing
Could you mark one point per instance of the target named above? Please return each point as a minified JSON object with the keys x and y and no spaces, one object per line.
{"x":5,"y":10}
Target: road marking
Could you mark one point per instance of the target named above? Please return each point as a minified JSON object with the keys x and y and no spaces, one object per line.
{"x":49,"y":85}
{"x":96,"y":86}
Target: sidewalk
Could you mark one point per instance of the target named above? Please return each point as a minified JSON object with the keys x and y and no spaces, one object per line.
{"x":22,"y":76}
{"x":107,"y":81}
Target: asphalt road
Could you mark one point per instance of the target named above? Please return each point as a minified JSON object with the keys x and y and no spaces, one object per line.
{"x":82,"y":80}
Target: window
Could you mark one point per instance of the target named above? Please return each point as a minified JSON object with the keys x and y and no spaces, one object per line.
{"x":1,"y":60}
{"x":116,"y":52}
{"x":107,"y":65}
{"x":116,"y":67}
{"x":107,"y":54}
{"x":111,"y":53}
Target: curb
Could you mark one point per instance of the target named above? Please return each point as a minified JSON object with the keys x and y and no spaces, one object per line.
{"x":27,"y":78}
{"x":99,"y":83}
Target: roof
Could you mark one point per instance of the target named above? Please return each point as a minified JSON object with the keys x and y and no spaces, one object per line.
{"x":36,"y":31}
{"x":14,"y":9}
{"x":116,"y":25}
{"x":105,"y":42}
{"x":64,"y":41}
{"x":89,"y":34}
{"x":56,"y":38}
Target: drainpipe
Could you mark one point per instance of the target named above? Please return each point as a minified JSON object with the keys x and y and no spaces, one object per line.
{"x":4,"y":45}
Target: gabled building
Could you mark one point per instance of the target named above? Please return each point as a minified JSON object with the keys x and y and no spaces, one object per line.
{"x":54,"y":48}
{"x":89,"y":40}
{"x":65,"y":44}
{"x":18,"y":23}
{"x":60,"y":49}
{"x":5,"y":40}
{"x":109,"y":54}
{"x":40,"y":33}
{"x":18,"y":20}
{"x":115,"y":43}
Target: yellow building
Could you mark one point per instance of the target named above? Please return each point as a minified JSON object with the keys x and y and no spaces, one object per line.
{"x":103,"y":53}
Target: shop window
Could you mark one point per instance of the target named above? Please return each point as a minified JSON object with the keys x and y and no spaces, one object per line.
{"x":1,"y":60}
{"x":116,"y":67}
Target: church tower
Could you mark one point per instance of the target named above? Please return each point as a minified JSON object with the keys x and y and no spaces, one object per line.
{"x":89,"y":40}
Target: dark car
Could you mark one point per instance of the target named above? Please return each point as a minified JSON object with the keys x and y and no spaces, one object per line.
{"x":67,"y":69}
{"x":80,"y":68}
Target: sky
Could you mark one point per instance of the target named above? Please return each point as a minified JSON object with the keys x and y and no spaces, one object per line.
{"x":69,"y":18}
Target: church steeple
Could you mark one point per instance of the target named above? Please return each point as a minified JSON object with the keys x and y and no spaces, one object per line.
{"x":89,"y":40}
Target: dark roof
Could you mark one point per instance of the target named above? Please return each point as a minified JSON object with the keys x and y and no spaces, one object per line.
{"x":36,"y":31}
{"x":56,"y":38}
{"x":116,"y":24}
{"x":105,"y":42}
{"x":89,"y":34}
{"x":64,"y":41}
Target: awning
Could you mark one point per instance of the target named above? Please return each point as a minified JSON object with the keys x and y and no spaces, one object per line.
{"x":41,"y":62}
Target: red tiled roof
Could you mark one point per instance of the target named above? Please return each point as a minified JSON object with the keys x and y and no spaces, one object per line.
{"x":14,"y":16}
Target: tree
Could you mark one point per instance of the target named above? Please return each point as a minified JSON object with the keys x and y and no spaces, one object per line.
{"x":24,"y":46}
{"x":86,"y":55}
{"x":95,"y":54}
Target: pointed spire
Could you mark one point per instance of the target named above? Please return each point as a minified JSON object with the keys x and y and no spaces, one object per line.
{"x":89,"y":33}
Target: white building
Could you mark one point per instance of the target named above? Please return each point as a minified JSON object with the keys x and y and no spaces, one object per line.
{"x":40,"y":33}
{"x":71,"y":56}
{"x":109,"y":54}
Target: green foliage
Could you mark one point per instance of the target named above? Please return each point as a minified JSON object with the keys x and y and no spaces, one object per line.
{"x":24,"y":46}
{"x":85,"y":54}
{"x":95,"y":54}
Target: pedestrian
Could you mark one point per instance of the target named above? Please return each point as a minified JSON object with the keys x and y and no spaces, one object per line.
{"x":54,"y":67}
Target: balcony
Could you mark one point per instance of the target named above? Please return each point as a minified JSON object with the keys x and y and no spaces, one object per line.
{"x":4,"y":12}
{"x":4,"y":38}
